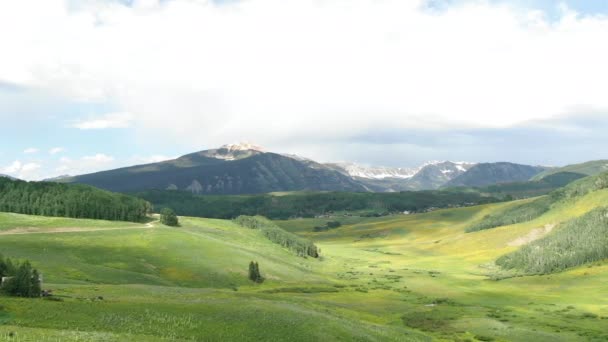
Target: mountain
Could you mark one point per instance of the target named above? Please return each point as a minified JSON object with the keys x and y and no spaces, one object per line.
{"x":495,"y":173}
{"x":435,"y":174}
{"x":590,"y":168}
{"x":373,"y":172}
{"x":230,"y":169}
{"x":429,"y":176}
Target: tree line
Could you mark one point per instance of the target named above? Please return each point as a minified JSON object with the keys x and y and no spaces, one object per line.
{"x":69,"y":200}
{"x":310,"y":204}
{"x":19,"y":279}
{"x":302,"y":247}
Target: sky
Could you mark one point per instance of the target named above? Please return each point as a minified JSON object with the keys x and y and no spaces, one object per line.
{"x":89,"y":85}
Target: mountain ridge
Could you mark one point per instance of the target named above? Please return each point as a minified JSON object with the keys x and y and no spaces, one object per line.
{"x":246,"y":168}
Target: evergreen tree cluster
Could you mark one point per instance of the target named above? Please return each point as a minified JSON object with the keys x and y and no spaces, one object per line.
{"x":168,"y":217}
{"x":302,"y":247}
{"x":574,"y":243}
{"x":67,"y":200}
{"x":311,"y":204}
{"x":22,"y":279}
{"x":254,"y":273}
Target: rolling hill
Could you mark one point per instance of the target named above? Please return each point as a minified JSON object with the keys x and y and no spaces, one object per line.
{"x":589,"y":169}
{"x":415,"y":277}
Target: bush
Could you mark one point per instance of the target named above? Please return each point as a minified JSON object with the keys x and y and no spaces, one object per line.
{"x":168,"y":217}
{"x":23,"y":281}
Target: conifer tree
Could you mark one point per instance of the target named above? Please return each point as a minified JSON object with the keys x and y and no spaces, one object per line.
{"x":36,"y":286}
{"x":252,"y":275}
{"x":254,"y":272}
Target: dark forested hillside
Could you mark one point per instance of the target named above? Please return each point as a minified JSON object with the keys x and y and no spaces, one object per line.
{"x":309,"y":204}
{"x":495,"y":173}
{"x":77,"y":201}
{"x":201,"y":174}
{"x":519,"y":190}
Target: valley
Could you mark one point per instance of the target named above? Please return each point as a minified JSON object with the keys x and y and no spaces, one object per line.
{"x":303,"y":171}
{"x":415,"y":277}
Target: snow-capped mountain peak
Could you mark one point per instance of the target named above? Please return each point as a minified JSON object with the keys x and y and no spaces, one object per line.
{"x":242,"y":146}
{"x":234,"y":151}
{"x":375,"y":172}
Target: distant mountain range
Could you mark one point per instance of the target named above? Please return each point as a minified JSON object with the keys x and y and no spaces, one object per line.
{"x":429,"y":176}
{"x":249,"y":169}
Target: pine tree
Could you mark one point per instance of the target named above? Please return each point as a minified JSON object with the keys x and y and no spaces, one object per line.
{"x":252,"y":274}
{"x":258,"y":276}
{"x":36,"y":288}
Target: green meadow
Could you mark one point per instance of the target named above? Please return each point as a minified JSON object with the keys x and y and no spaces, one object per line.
{"x":396,"y":278}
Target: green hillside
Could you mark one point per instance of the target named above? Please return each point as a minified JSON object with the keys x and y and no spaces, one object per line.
{"x":529,"y":210}
{"x":588,"y":168}
{"x":577,"y":242}
{"x":395,"y":278}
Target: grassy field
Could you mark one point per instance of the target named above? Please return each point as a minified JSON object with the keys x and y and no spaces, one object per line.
{"x":396,"y":278}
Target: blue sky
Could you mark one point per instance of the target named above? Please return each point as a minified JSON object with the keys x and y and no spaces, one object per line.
{"x":87,"y":86}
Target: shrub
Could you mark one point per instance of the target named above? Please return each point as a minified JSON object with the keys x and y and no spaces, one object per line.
{"x":168,"y":217}
{"x":23,"y":281}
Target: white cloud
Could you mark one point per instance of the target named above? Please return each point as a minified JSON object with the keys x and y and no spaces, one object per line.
{"x":30,"y":150}
{"x":280,"y":72}
{"x":111,"y":120}
{"x":27,"y":171}
{"x":86,"y":164}
{"x":149,"y":159}
{"x":56,"y":150}
{"x":13,"y":168}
